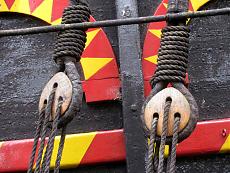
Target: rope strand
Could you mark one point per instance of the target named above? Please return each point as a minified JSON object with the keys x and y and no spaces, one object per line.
{"x":36,"y":140}
{"x":44,"y":130}
{"x":52,"y":137}
{"x":60,"y":150}
{"x":151,"y":145}
{"x":163,"y":136}
{"x":172,"y":166}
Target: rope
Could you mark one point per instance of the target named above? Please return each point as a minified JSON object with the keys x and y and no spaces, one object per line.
{"x":163,"y":136}
{"x":156,"y":157}
{"x":172,"y":55}
{"x":51,"y":138}
{"x":151,"y":145}
{"x":44,"y":130}
{"x":49,"y":148}
{"x":155,"y":160}
{"x":36,"y":139}
{"x":60,"y":150}
{"x":172,"y":158}
{"x":71,"y":43}
{"x":171,"y":68}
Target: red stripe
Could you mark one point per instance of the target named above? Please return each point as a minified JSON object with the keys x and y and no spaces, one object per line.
{"x":14,"y":155}
{"x":109,"y":146}
{"x":207,"y":138}
{"x":106,"y":147}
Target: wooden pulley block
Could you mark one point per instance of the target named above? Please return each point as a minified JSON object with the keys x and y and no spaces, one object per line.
{"x":179,"y":106}
{"x":63,"y":86}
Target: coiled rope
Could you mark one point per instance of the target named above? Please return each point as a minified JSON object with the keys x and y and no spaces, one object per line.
{"x":172,"y":67}
{"x":70,"y":45}
{"x":172,"y":55}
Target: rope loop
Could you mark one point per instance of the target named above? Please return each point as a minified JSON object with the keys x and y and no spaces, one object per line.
{"x":71,"y":43}
{"x":172,"y":55}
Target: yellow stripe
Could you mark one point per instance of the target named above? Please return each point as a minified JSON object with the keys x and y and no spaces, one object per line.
{"x":166,"y":5}
{"x":20,"y":6}
{"x":44,"y":11}
{"x":196,"y":4}
{"x":226,"y":146}
{"x":73,"y":144}
{"x":152,"y":59}
{"x":1,"y":143}
{"x":90,"y":36}
{"x":3,"y":6}
{"x":92,"y":65}
{"x":57,"y":22}
{"x":156,"y":32}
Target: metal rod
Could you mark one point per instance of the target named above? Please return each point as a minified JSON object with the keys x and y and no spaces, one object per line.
{"x":116,"y":22}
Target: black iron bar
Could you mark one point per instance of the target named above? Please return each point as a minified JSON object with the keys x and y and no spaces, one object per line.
{"x":131,"y":86}
{"x":116,"y":22}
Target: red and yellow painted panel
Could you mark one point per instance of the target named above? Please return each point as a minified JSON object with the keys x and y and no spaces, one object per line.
{"x":109,"y":146}
{"x":98,"y":60}
{"x":152,"y":40}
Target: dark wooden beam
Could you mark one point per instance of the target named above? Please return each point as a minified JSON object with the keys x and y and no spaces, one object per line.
{"x":132,"y":86}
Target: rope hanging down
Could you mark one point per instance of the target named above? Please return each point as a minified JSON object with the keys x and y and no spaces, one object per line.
{"x":68,"y":50}
{"x":164,"y":126}
{"x":172,"y":66}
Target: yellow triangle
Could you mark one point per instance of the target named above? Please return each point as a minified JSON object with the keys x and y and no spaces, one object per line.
{"x":188,"y":20}
{"x":166,"y":5}
{"x":196,"y":4}
{"x":20,"y":6}
{"x":152,"y":59}
{"x":226,"y":147}
{"x":44,"y":11}
{"x":57,"y":22}
{"x":92,"y":65}
{"x":74,"y":149}
{"x":90,"y":36}
{"x":156,"y":32}
{"x":3,"y":6}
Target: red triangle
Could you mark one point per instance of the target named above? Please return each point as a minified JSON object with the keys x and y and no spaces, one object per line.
{"x":157,"y":25}
{"x":161,"y":10}
{"x":99,"y":47}
{"x":190,"y":6}
{"x":148,"y":69}
{"x":151,"y":45}
{"x":34,"y":4}
{"x":108,"y":71}
{"x":58,"y":8}
{"x":9,"y":3}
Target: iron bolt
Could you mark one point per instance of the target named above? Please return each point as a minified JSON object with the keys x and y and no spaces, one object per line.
{"x":224,"y":132}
